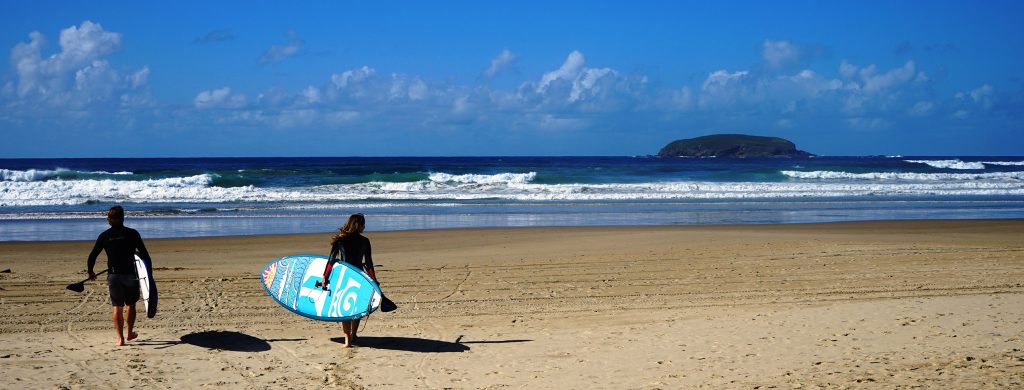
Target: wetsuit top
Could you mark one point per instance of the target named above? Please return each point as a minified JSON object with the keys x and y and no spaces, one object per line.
{"x":354,"y":249}
{"x":120,"y":244}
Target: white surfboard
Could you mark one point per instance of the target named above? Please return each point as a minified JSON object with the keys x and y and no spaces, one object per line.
{"x":147,"y":286}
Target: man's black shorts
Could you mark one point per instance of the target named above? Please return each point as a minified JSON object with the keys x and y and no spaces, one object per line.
{"x":124,"y":289}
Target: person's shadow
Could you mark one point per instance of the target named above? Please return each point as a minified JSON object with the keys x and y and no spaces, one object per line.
{"x":415,"y":344}
{"x":229,"y":341}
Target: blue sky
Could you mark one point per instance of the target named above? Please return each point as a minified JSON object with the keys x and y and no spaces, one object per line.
{"x":122,"y":79}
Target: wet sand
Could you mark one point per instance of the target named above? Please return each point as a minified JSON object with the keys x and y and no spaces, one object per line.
{"x":933,"y":304}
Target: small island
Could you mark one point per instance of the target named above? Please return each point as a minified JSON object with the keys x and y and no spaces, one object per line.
{"x":732,"y":145}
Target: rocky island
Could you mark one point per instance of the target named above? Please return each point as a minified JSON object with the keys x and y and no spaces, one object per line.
{"x":732,"y":145}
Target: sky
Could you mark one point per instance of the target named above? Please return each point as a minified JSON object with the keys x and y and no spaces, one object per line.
{"x":471,"y":78}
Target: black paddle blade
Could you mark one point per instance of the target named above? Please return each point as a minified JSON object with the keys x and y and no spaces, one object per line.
{"x":80,"y":286}
{"x":385,"y":304}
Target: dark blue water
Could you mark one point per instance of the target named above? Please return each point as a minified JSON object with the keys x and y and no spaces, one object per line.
{"x":56,"y":199}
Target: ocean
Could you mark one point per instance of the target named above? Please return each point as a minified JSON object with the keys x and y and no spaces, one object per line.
{"x":64,"y":199}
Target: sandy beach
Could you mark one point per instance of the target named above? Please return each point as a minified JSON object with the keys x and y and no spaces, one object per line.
{"x":909,"y":304}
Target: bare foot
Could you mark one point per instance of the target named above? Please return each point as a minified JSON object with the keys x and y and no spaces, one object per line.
{"x":120,"y":342}
{"x":132,"y":336}
{"x":348,"y":343}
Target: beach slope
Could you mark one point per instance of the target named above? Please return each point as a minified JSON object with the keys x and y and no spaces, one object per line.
{"x":937,"y":304}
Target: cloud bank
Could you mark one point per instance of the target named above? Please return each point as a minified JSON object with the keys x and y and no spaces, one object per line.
{"x":77,"y":83}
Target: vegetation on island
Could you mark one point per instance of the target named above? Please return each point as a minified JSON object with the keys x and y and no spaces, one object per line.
{"x":732,"y":145}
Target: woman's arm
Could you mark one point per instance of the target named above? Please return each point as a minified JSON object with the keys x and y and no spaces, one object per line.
{"x":368,"y":262}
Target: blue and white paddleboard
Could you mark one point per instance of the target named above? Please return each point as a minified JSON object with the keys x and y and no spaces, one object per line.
{"x":292,"y":282}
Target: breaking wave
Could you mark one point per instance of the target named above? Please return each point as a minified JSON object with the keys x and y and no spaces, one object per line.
{"x":506,"y":186}
{"x":907,"y":176}
{"x":48,"y":174}
{"x":949,"y":164}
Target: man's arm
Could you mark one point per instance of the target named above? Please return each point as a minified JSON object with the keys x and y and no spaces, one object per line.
{"x":92,"y":255}
{"x":143,"y":253}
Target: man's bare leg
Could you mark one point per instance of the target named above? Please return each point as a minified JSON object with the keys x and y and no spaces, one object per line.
{"x":131,"y":323}
{"x":119,"y":324}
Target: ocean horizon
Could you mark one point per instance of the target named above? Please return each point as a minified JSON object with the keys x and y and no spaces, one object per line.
{"x":64,"y":199}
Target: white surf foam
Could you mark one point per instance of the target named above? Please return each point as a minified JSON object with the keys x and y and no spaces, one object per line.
{"x":1005,"y":163}
{"x":508,"y":187}
{"x":29,"y":175}
{"x":518,"y":178}
{"x":44,"y":174}
{"x":949,"y":164}
{"x":908,"y":176}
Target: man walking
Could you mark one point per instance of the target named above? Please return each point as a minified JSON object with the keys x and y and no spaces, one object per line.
{"x":121,"y":244}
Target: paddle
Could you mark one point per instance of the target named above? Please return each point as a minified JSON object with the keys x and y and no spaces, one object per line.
{"x":80,"y":286}
{"x":386,"y":305}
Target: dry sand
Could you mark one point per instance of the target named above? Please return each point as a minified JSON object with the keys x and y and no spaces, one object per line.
{"x":932,"y":304}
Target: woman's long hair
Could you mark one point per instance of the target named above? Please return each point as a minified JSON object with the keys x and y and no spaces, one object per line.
{"x":356,"y":223}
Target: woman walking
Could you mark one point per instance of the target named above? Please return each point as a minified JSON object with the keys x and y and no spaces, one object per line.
{"x":349,"y":245}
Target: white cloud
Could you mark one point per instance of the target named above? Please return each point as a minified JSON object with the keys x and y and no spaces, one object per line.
{"x":922,"y":108}
{"x":589,"y":89}
{"x":778,"y":54}
{"x":978,"y":99}
{"x":847,"y":70}
{"x":76,"y":76}
{"x":893,"y":78}
{"x":97,"y":79}
{"x":461,"y":105}
{"x":573,"y":95}
{"x":588,"y":83}
{"x":86,"y":43}
{"x":500,"y":62}
{"x":864,"y":123}
{"x":278,"y":53}
{"x":568,"y":71}
{"x":336,"y":118}
{"x":554,"y":122}
{"x":404,"y":88}
{"x":723,"y":88}
{"x":683,"y":98}
{"x":983,"y":96}
{"x":219,"y":98}
{"x":352,"y":76}
{"x":140,"y":77}
{"x":311,"y":94}
{"x":296,"y":118}
{"x":80,"y":47}
{"x":417,"y":89}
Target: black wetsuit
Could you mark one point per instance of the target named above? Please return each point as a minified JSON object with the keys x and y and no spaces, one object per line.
{"x":120,"y":243}
{"x":354,"y":249}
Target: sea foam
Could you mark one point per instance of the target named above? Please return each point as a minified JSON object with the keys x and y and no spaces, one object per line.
{"x":29,"y":175}
{"x":518,"y":178}
{"x":949,"y":164}
{"x":47,"y":174}
{"x":908,"y":176}
{"x":507,"y":186}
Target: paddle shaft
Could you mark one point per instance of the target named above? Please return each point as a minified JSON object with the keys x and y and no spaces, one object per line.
{"x":100,"y":273}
